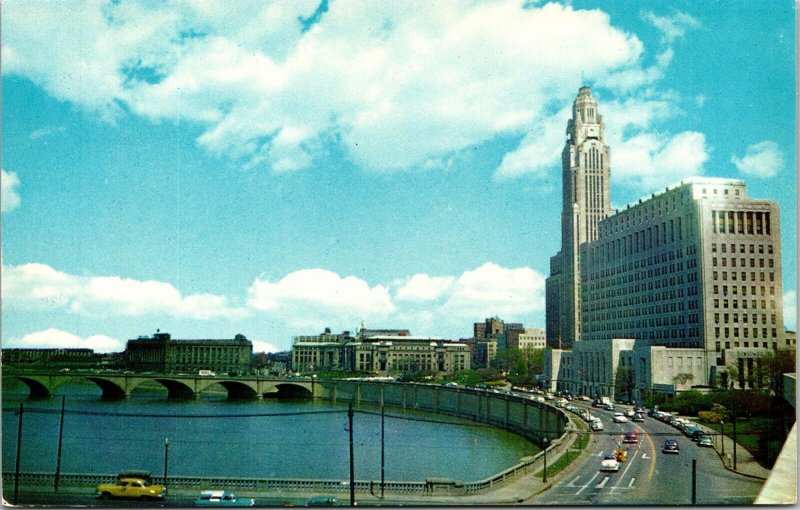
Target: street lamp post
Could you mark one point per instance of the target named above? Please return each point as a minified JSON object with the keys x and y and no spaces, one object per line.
{"x":544,"y":475}
{"x":166,"y":460}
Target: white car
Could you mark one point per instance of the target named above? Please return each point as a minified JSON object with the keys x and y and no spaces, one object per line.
{"x":609,"y":463}
{"x":619,"y":418}
{"x":629,"y":413}
{"x":597,"y":425}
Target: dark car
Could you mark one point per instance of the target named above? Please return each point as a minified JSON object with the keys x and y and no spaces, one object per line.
{"x":696,"y":433}
{"x":670,"y":446}
{"x":637,"y":417}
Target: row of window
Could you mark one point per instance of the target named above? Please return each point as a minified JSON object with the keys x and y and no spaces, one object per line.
{"x":731,"y":247}
{"x":728,"y":332}
{"x":741,"y":222}
{"x":723,"y":261}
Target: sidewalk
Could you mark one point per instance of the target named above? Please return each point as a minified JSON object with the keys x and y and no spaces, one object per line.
{"x":746,"y":464}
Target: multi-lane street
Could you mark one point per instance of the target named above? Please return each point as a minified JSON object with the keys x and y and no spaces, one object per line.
{"x":648,"y":476}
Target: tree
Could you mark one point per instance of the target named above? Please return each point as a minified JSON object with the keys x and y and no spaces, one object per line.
{"x":681,"y":379}
{"x":623,"y":380}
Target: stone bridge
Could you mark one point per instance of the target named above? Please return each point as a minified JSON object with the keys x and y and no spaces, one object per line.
{"x":43,"y":384}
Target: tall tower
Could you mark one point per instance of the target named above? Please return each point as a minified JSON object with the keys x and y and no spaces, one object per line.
{"x":586,"y":199}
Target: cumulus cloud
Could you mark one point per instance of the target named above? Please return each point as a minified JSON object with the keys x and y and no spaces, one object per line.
{"x":10,"y":196}
{"x":763,"y":159}
{"x":492,"y":289}
{"x":790,"y":309}
{"x":40,"y":287}
{"x":56,"y":338}
{"x":397,"y":87}
{"x":422,"y":287}
{"x":318,"y":297}
{"x":649,"y":161}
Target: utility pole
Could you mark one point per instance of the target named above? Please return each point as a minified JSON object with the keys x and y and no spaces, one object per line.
{"x":352,"y":467}
{"x":382,"y":451}
{"x":19,"y":453}
{"x":60,"y":442}
{"x":694,"y":481}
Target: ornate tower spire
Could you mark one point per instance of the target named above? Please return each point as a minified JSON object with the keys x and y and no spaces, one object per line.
{"x":586,"y":199}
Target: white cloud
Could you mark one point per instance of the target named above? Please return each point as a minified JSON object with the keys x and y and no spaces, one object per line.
{"x":672,"y":27}
{"x":397,"y":87}
{"x":491,"y":289}
{"x":422,"y":287}
{"x":790,"y":309}
{"x":260,"y":346}
{"x":9,"y":200}
{"x":763,"y":159}
{"x":56,"y":338}
{"x":317,"y":297}
{"x":39,"y":286}
{"x":649,"y":160}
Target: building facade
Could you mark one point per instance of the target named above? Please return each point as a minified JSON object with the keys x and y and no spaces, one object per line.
{"x":527,"y":339}
{"x":586,"y":199}
{"x":379,"y":351}
{"x":696,"y":266}
{"x":162,"y":353}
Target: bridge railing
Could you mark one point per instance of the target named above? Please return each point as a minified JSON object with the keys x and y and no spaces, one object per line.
{"x":91,"y":480}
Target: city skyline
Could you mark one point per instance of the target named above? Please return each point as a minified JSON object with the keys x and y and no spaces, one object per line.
{"x":282,"y":168}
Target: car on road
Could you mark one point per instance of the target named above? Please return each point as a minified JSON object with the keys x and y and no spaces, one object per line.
{"x":637,"y":417}
{"x":631,"y":438}
{"x":619,"y":418}
{"x":705,"y":440}
{"x":609,"y":464}
{"x":222,"y":498}
{"x":629,"y":413}
{"x":129,"y":487}
{"x":597,"y":425}
{"x":321,"y":501}
{"x":670,"y":446}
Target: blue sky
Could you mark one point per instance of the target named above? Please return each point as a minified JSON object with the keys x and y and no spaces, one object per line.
{"x":273,"y":168}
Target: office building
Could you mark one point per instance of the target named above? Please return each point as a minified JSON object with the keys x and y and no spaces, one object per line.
{"x":586,"y":199}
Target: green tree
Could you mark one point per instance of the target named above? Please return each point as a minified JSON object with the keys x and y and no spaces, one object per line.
{"x":623,"y":380}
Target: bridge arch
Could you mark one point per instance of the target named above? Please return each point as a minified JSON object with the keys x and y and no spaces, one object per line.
{"x":177,"y":389}
{"x":291,"y":390}
{"x":37,"y":388}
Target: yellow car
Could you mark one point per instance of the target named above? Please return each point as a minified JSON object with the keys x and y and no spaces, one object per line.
{"x":138,"y":488}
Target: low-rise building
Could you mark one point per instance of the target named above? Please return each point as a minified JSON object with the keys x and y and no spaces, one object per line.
{"x":162,"y":353}
{"x":378,"y":351}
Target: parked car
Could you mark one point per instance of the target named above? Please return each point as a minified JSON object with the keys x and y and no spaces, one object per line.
{"x":705,"y":440}
{"x":222,"y":498}
{"x":131,"y":487}
{"x":609,"y":463}
{"x":670,"y":446}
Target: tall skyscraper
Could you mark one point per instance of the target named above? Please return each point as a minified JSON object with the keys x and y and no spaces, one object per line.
{"x":586,"y":199}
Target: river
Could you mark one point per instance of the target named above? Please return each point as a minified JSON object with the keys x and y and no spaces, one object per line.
{"x":267,"y":438}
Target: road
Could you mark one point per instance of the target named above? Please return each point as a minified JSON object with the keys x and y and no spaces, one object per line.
{"x":649,"y":477}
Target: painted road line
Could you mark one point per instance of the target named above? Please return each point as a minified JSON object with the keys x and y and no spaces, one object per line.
{"x":602,"y":484}
{"x":631,"y":484}
{"x":572,"y":483}
{"x":644,"y":456}
{"x":587,"y":483}
{"x":630,"y":463}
